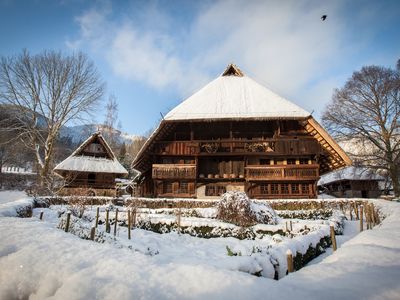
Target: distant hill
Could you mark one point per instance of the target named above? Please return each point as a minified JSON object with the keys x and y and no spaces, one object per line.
{"x":80,"y":133}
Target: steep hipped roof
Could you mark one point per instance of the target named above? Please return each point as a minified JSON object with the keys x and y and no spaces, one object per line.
{"x":349,"y":173}
{"x":79,"y":162}
{"x":233,"y":95}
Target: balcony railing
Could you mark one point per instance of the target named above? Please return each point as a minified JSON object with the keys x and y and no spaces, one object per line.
{"x":174,"y":171}
{"x":283,"y":172}
{"x":279,"y":146}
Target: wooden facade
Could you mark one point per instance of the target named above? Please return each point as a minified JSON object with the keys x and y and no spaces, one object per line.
{"x":267,"y":157}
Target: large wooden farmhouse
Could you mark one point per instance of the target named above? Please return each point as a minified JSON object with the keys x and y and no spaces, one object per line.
{"x":235,"y":134}
{"x":91,"y":168}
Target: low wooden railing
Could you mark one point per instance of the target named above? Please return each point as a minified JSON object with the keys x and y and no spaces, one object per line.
{"x":174,"y":171}
{"x":83,"y":183}
{"x":287,"y":172}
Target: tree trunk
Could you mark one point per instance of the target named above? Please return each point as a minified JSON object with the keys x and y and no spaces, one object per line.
{"x":394,"y":175}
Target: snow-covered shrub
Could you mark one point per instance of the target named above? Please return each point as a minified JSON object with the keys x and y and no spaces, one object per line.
{"x":237,"y":208}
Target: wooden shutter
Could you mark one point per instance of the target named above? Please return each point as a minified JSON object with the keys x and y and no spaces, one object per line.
{"x":191,"y":188}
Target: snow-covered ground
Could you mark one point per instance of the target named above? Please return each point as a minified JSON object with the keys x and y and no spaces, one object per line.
{"x":10,"y":196}
{"x":39,"y":261}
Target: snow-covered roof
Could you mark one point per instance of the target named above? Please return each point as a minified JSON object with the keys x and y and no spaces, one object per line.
{"x":91,"y":164}
{"x":233,"y":95}
{"x":349,"y":173}
{"x":78,"y":162}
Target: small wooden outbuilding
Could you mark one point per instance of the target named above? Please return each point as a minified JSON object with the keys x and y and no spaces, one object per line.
{"x":91,"y":169}
{"x":351,"y":182}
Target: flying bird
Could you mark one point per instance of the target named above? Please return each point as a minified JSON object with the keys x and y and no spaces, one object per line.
{"x":323,"y":18}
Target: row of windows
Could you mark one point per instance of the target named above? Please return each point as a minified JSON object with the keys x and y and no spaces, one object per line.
{"x":284,"y":188}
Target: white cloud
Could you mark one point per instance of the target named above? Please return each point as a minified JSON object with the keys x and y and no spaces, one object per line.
{"x":282,"y":44}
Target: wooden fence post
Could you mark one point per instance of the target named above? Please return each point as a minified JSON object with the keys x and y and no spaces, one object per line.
{"x":92,"y":233}
{"x":356,"y":211}
{"x":289,"y":258}
{"x":134,"y":217}
{"x":129,"y":224}
{"x":291,"y":226}
{"x":107,"y":223}
{"x":67,"y":224}
{"x":333,"y":238}
{"x":97,"y":217}
{"x":41,"y":215}
{"x":361,"y":218}
{"x":116,"y":222}
{"x":178,"y":219}
{"x":372,"y":214}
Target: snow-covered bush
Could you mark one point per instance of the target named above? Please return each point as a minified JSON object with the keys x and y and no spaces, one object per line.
{"x":237,"y":208}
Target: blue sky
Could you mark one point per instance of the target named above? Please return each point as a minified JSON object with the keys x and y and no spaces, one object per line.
{"x":154,"y":54}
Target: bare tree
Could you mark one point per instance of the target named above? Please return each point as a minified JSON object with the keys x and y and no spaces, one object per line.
{"x":47,"y":91}
{"x":110,"y":122}
{"x":366,"y":111}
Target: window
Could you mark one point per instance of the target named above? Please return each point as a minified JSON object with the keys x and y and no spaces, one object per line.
{"x":183,"y":188}
{"x":303,"y":161}
{"x":291,"y":161}
{"x":274,"y":188}
{"x":295,"y":188}
{"x":264,"y":188}
{"x":167,"y":187}
{"x":215,"y":190}
{"x":305,"y":188}
{"x":285,"y":188}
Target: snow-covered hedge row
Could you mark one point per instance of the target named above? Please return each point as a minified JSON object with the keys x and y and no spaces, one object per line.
{"x":21,"y":208}
{"x":268,"y":260}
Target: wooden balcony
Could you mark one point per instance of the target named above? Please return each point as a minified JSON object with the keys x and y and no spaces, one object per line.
{"x":282,"y":172}
{"x":174,"y":171}
{"x":285,"y":146}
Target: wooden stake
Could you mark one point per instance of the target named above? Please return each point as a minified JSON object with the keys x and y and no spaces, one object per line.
{"x":41,"y":215}
{"x":92,"y":233}
{"x":291,"y":226}
{"x":289,"y":257}
{"x":178,"y":220}
{"x":67,"y":224}
{"x":97,"y":217}
{"x":107,"y":223}
{"x":129,"y":224}
{"x":356,"y":211}
{"x":134,"y":218}
{"x":116,"y":222}
{"x":361,"y":218}
{"x":372,"y":214}
{"x":333,"y":238}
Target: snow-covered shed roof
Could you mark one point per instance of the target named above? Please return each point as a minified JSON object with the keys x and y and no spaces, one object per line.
{"x":79,"y":162}
{"x":233,"y":95}
{"x":349,"y":173}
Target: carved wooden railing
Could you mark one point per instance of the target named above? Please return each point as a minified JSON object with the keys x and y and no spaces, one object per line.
{"x":174,"y":171}
{"x":286,"y":172}
{"x":284,"y":146}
